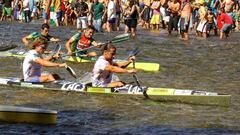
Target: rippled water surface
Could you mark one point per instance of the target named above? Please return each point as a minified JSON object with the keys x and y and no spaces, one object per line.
{"x":211,"y":65}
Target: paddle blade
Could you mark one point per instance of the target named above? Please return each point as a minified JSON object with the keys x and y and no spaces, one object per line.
{"x":134,"y":52}
{"x":123,"y":36}
{"x":56,"y":49}
{"x":120,"y":38}
{"x":71,"y":71}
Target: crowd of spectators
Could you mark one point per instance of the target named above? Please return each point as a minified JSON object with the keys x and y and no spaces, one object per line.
{"x":206,"y":17}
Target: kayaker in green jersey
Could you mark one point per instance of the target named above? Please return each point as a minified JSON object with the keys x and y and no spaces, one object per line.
{"x":80,"y":41}
{"x":44,"y":33}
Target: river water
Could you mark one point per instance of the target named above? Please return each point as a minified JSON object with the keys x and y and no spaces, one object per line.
{"x":211,"y":65}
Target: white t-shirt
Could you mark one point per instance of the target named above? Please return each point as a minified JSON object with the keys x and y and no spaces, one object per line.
{"x":31,"y":68}
{"x":111,"y":6}
{"x":25,"y":5}
{"x":101,"y":77}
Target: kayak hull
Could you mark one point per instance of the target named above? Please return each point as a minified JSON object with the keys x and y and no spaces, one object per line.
{"x":156,"y":94}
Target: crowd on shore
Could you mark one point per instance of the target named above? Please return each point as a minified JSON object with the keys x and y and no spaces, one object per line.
{"x":206,"y":17}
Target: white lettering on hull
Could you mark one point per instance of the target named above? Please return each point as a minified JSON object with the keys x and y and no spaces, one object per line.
{"x":73,"y":87}
{"x":134,"y":90}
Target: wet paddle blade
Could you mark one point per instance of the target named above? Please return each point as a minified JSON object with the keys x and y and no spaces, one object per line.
{"x":134,"y":52}
{"x":71,"y":71}
{"x":56,"y":49}
{"x":120,"y":38}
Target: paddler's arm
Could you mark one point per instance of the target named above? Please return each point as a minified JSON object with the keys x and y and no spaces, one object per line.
{"x":55,"y":56}
{"x":47,"y":63}
{"x":94,"y":43}
{"x":116,"y":69}
{"x":126,"y":63}
{"x":25,"y":40}
{"x":68,"y":45}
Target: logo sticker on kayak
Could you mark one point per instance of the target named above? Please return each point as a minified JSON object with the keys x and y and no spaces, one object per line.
{"x":130,"y":89}
{"x":73,"y":86}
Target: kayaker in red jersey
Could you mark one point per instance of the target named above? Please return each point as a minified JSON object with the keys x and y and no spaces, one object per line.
{"x":80,"y":41}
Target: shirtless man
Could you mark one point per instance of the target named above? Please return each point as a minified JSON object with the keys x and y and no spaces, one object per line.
{"x":173,"y":9}
{"x":145,"y":14}
{"x":210,"y":22}
{"x":185,"y":13}
{"x":228,"y":7}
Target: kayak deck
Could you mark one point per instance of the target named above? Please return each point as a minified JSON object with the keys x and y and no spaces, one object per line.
{"x":156,"y":94}
{"x":145,"y":66}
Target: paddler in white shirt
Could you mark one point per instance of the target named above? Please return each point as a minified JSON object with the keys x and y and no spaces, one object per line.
{"x":105,"y":67}
{"x":34,"y":61}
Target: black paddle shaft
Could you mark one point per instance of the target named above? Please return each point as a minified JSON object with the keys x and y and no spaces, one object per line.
{"x":138,"y":83}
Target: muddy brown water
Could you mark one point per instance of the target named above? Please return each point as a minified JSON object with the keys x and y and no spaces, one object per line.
{"x":210,"y":65}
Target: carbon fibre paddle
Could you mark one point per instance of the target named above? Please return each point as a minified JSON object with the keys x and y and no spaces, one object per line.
{"x":68,"y":68}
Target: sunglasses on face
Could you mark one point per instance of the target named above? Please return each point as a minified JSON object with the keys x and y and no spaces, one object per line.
{"x":43,"y":47}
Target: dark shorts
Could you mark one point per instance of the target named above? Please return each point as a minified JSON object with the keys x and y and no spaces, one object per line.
{"x":146,"y":14}
{"x":112,"y":21}
{"x":184,"y":25}
{"x":173,"y":22}
{"x":195,"y":16}
{"x":34,"y":79}
{"x":131,"y":23}
{"x":211,"y":26}
{"x":226,"y":28}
